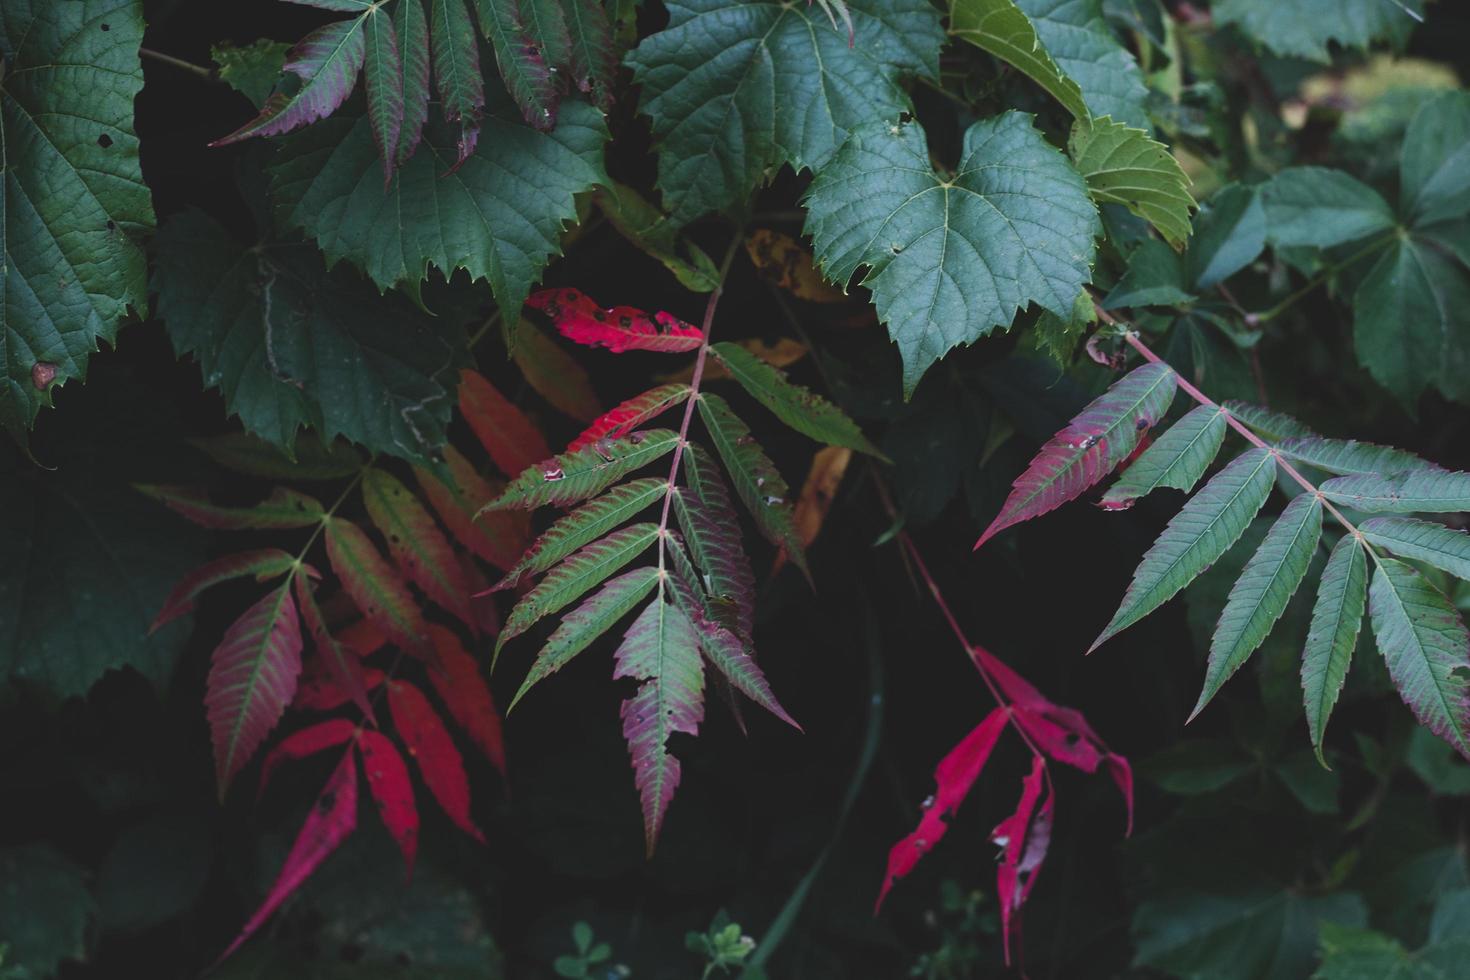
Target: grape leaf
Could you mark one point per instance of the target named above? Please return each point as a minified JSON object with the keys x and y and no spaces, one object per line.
{"x":1177,"y":459}
{"x":1014,"y":225}
{"x":735,"y":90}
{"x":1304,"y":28}
{"x":434,"y":752}
{"x":456,"y":676}
{"x":1003,"y":29}
{"x":511,"y":439}
{"x":619,"y":329}
{"x":1424,"y":541}
{"x":572,"y":477}
{"x":1336,"y":619}
{"x":1123,"y":165}
{"x":1082,"y":45}
{"x":375,"y":586}
{"x":74,"y":198}
{"x":388,"y":781}
{"x":1321,"y":208}
{"x":264,"y":564}
{"x":417,"y":545}
{"x":586,"y":524}
{"x":618,"y":422}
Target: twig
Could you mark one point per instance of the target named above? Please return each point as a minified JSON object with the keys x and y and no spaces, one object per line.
{"x":208,"y":74}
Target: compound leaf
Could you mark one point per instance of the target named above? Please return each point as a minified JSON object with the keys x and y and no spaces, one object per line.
{"x":619,"y":421}
{"x":1177,"y":459}
{"x":619,"y":329}
{"x":417,"y":545}
{"x":586,"y":524}
{"x":392,"y":791}
{"x":376,"y":587}
{"x":1423,"y":491}
{"x":432,"y":748}
{"x":1424,"y":541}
{"x":573,"y":477}
{"x":263,"y":564}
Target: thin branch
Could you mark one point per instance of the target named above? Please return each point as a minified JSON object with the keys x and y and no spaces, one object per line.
{"x":208,"y":74}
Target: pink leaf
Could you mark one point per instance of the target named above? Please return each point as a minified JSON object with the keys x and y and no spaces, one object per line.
{"x":308,"y":741}
{"x":618,"y":422}
{"x":1089,"y":448}
{"x":263,"y":564}
{"x":417,"y":545}
{"x":619,"y":329}
{"x":1024,"y":837}
{"x":376,"y":587}
{"x":363,"y":637}
{"x":392,"y":791}
{"x":438,"y":760}
{"x":319,"y":692}
{"x":510,"y":438}
{"x":955,"y":775}
{"x":343,"y":666}
{"x":499,"y":537}
{"x":252,"y":677}
{"x":466,"y":695}
{"x":332,"y":818}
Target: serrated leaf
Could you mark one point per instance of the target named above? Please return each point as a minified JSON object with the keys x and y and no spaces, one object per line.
{"x":1084,"y":47}
{"x":1003,"y":29}
{"x":649,"y":228}
{"x":250,"y":69}
{"x":392,"y":790}
{"x":803,"y":410}
{"x":594,"y":617}
{"x":573,"y":477}
{"x":1092,"y":445}
{"x":735,"y":92}
{"x":1435,"y":168}
{"x":74,"y":199}
{"x":1422,"y":491}
{"x":660,"y":649}
{"x":456,"y":494}
{"x":617,"y":422}
{"x":417,"y":545}
{"x":302,"y":743}
{"x":712,"y":530}
{"x":343,"y":666}
{"x":413,"y":40}
{"x":499,"y":215}
{"x":1320,"y":207}
{"x":1336,"y":618}
{"x":262,"y":564}
{"x":594,"y":57}
{"x":1424,"y":541}
{"x":383,"y":74}
{"x":546,"y":29}
{"x":457,"y":78}
{"x":586,"y":524}
{"x":433,"y":750}
{"x":1124,"y":165}
{"x":1206,"y":527}
{"x":1260,"y":595}
{"x":523,"y":67}
{"x":1426,"y":647}
{"x":511,"y":439}
{"x":569,"y":581}
{"x":757,"y":481}
{"x":284,"y":508}
{"x":252,"y":677}
{"x":1014,"y":225}
{"x":1024,"y":838}
{"x":1269,"y":425}
{"x":619,"y":328}
{"x":1177,"y":459}
{"x":1347,"y":456}
{"x":462,"y":688}
{"x":253,"y":456}
{"x":733,"y":656}
{"x":555,"y":375}
{"x":376,"y":587}
{"x":1304,"y":28}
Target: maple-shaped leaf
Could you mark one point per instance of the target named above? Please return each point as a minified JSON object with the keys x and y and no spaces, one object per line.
{"x":1024,"y":838}
{"x":456,"y":676}
{"x":343,"y":665}
{"x":955,"y":776}
{"x":1337,"y":617}
{"x":586,"y":524}
{"x":1177,"y":459}
{"x":1304,"y":28}
{"x":950,"y":259}
{"x":417,"y":545}
{"x":523,"y":66}
{"x":1124,"y":165}
{"x":456,"y":492}
{"x":413,"y":40}
{"x":619,"y":421}
{"x":376,"y":587}
{"x":1092,"y":445}
{"x":593,"y":58}
{"x":457,"y":77}
{"x":511,"y":439}
{"x":712,"y":530}
{"x":264,"y":564}
{"x":329,"y":821}
{"x":573,"y":477}
{"x":661,"y":650}
{"x":303,"y":743}
{"x":284,"y":508}
{"x":434,"y":751}
{"x":619,"y":328}
{"x":392,"y":791}
{"x":252,"y":677}
{"x":735,"y":92}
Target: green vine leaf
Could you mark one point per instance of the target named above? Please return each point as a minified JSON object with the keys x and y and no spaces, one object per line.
{"x":1321,"y":208}
{"x":1304,"y":28}
{"x":1084,"y":47}
{"x":1003,"y":29}
{"x":1123,"y":165}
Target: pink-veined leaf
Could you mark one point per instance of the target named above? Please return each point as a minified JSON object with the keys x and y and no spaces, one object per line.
{"x":618,"y":422}
{"x":342,"y":666}
{"x":392,"y":791}
{"x":417,"y":545}
{"x":1089,"y":448}
{"x":712,"y":530}
{"x":594,"y":57}
{"x":263,"y":564}
{"x":413,"y":42}
{"x":383,"y":70}
{"x":954,"y":776}
{"x":619,"y":329}
{"x":1024,"y":838}
{"x":573,"y":477}
{"x":252,"y":677}
{"x":523,"y":67}
{"x":434,"y":751}
{"x":457,"y":72}
{"x":498,"y":537}
{"x":331,"y":819}
{"x":510,"y":438}
{"x":661,"y":650}
{"x":586,"y":524}
{"x":456,"y":676}
{"x":327,"y":61}
{"x":306,"y":742}
{"x":319,"y":691}
{"x":375,"y":586}
{"x":283,"y":509}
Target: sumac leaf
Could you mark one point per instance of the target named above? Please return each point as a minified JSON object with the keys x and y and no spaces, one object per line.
{"x":434,"y":751}
{"x":306,"y":742}
{"x":599,"y":516}
{"x":413,"y":41}
{"x":573,"y":477}
{"x":1424,"y":491}
{"x":1336,"y":619}
{"x":1025,"y":837}
{"x":392,"y":790}
{"x":1176,"y":459}
{"x":283,"y":509}
{"x":262,"y":564}
{"x":619,"y":329}
{"x":456,"y":495}
{"x":619,"y":421}
{"x":456,"y":676}
{"x":375,"y":586}
{"x":594,"y":57}
{"x":1424,"y":541}
{"x":383,"y":71}
{"x":712,"y":530}
{"x":456,"y":56}
{"x":417,"y":545}
{"x":510,"y":438}
{"x":523,"y":66}
{"x":344,"y":667}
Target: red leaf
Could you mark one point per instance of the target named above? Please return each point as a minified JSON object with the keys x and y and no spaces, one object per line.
{"x":263,"y":564}
{"x":507,"y":435}
{"x":362,"y":637}
{"x":955,"y":775}
{"x":308,"y":741}
{"x":1024,"y":837}
{"x":618,"y":422}
{"x":375,"y":586}
{"x":465,"y":693}
{"x":392,"y":791}
{"x":438,"y":760}
{"x":319,"y":692}
{"x":417,"y":545}
{"x":332,"y":818}
{"x":252,"y":677}
{"x":619,"y":329}
{"x":283,"y":509}
{"x":482,"y":601}
{"x":500,"y":536}
{"x":554,"y":374}
{"x":343,"y":666}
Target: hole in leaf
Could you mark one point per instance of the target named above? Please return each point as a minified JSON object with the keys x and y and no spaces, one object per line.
{"x":107,"y":27}
{"x":104,"y":141}
{"x":111,"y":225}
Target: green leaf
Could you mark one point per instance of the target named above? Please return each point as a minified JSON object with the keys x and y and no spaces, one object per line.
{"x":337,"y":357}
{"x":712,"y":530}
{"x":1426,"y":647}
{"x":546,"y":27}
{"x":1201,"y":532}
{"x":1177,"y":459}
{"x":1260,"y":595}
{"x":1336,"y":619}
{"x":1435,"y":168}
{"x":1421,"y":491}
{"x":594,"y":57}
{"x":413,"y":39}
{"x":1424,"y":541}
{"x":756,"y":478}
{"x":251,"y":69}
{"x":1155,"y":277}
{"x":803,"y":410}
{"x":1002,"y":29}
{"x":736,"y":90}
{"x":383,"y":72}
{"x":418,"y":547}
{"x":74,"y":203}
{"x":646,"y":227}
{"x":1319,"y":207}
{"x":1059,"y":336}
{"x":572,"y":477}
{"x":1229,"y":232}
{"x":375,"y":586}
{"x":252,"y":456}
{"x":1347,"y":456}
{"x":586,"y":524}
{"x":284,"y":508}
{"x":1079,"y":40}
{"x":499,"y":216}
{"x":523,"y":68}
{"x":1269,"y":425}
{"x":1123,"y":165}
{"x":578,"y":628}
{"x":1304,"y":28}
{"x":457,"y":78}
{"x":46,"y":911}
{"x":949,"y":260}
{"x":569,"y":581}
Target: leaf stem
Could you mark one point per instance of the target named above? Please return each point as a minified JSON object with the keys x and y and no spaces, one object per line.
{"x":1256,"y":319}
{"x":208,"y":74}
